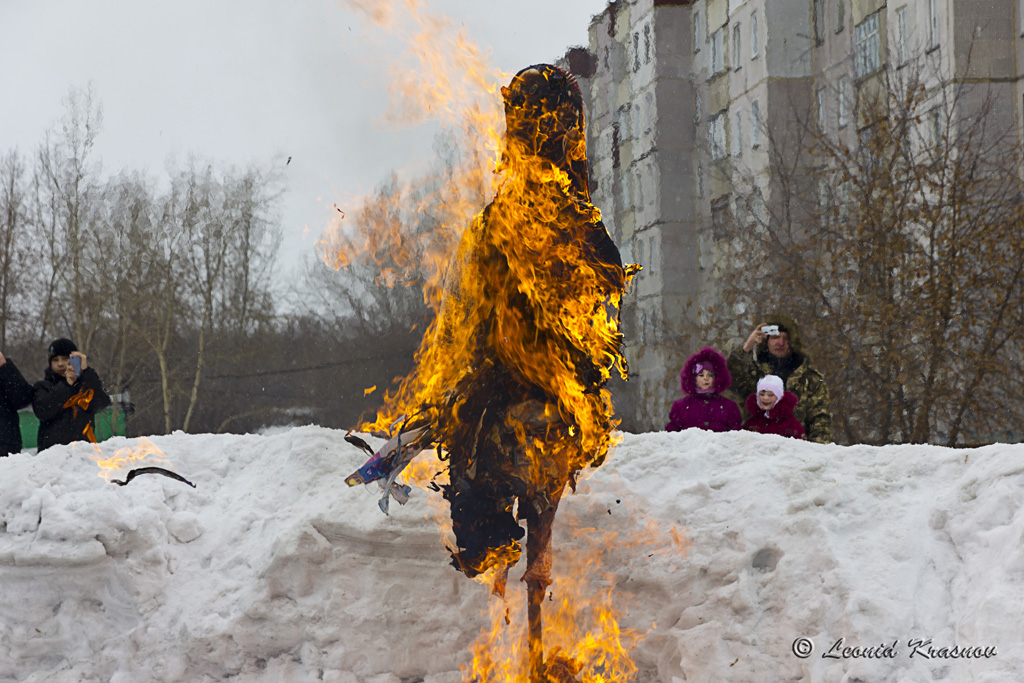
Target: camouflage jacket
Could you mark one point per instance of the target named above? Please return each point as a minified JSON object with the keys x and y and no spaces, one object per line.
{"x":806,"y":382}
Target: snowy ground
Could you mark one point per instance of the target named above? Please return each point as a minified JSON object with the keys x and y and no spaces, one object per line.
{"x":273,"y":570}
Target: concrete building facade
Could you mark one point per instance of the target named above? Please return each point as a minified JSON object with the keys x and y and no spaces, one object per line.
{"x":686,"y":96}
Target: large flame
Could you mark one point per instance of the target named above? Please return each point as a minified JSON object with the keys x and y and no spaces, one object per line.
{"x":440,"y":76}
{"x":526,"y":283}
{"x":582,"y":621}
{"x":510,"y":376}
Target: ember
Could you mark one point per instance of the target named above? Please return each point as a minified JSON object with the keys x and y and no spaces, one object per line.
{"x":510,"y":379}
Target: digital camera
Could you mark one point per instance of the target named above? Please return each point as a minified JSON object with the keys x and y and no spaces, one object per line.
{"x":771,"y":330}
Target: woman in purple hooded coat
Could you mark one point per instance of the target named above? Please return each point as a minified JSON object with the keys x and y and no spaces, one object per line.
{"x":704,"y":377}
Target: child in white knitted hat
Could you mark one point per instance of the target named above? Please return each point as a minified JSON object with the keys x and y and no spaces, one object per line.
{"x":771,"y":409}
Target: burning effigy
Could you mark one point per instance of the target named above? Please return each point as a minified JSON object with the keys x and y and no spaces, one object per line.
{"x":510,"y":379}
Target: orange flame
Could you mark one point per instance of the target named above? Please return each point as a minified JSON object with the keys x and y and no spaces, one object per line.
{"x":440,"y":76}
{"x":527,"y":301}
{"x":427,"y":470}
{"x":124,"y":457}
{"x":581,"y":622}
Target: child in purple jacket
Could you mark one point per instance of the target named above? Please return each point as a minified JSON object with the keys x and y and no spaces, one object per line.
{"x":704,"y":377}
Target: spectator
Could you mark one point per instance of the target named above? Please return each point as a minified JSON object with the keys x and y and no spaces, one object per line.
{"x":65,"y":402}
{"x":771,"y":409}
{"x":15,"y":393}
{"x":782,"y":354}
{"x":703,"y":379}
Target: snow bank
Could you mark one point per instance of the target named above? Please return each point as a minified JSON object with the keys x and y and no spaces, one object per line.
{"x":273,"y":570}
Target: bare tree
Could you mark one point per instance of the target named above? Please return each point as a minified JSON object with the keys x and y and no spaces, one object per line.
{"x":13,"y":233}
{"x":171,"y":291}
{"x":389,"y":255}
{"x":69,"y":185}
{"x":901,"y":253}
{"x":382,"y":264}
{"x":252,"y":251}
{"x":154,"y":297}
{"x":380,"y":286}
{"x":130,"y":220}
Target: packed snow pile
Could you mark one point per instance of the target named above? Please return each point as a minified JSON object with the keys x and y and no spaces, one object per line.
{"x":805,"y":563}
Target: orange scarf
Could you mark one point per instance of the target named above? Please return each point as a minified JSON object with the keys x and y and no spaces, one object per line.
{"x":82,"y":400}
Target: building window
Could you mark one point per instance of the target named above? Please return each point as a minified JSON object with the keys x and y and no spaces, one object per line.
{"x":652,"y":251}
{"x":697,"y":37}
{"x":933,"y":23}
{"x":735,"y":47}
{"x":863,"y":144}
{"x":843,"y":105}
{"x":647,"y":44}
{"x":906,"y":144}
{"x":754,"y":43}
{"x":840,"y":15}
{"x":716,"y":136}
{"x":737,"y":133}
{"x":819,"y":101}
{"x":636,"y":52}
{"x":866,"y":44}
{"x":717,"y":54}
{"x":615,"y":145}
{"x":935,"y":129}
{"x":819,"y":21}
{"x":843,"y":197}
{"x":823,"y":199}
{"x":721,"y":217}
{"x":901,"y":36}
{"x":755,"y":124}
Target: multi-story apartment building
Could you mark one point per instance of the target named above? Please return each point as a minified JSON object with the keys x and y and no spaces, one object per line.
{"x":686,"y":97}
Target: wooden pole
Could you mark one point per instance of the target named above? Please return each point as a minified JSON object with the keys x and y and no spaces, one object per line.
{"x":538,"y":578}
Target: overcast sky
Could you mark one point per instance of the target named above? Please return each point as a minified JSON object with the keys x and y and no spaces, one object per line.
{"x":242,"y":81}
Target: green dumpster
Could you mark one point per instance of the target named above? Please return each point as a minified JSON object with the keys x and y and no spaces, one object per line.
{"x":108,"y":423}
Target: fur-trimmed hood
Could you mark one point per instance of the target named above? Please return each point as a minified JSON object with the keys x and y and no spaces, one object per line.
{"x":714,"y":361}
{"x":782,"y":410}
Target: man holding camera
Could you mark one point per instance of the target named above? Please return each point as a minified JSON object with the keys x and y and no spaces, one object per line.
{"x":67,"y":397}
{"x":775,"y":347}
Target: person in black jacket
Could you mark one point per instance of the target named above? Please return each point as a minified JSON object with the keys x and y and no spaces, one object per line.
{"x":15,"y":393}
{"x":66,"y":402}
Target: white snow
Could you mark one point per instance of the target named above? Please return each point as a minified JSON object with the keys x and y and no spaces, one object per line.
{"x":273,"y":570}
